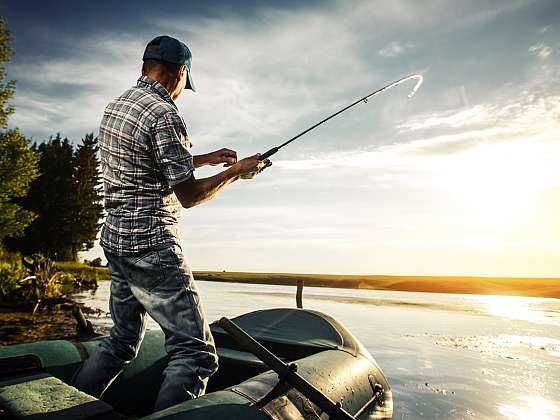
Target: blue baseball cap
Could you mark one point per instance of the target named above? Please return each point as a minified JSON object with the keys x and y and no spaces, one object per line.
{"x":170,"y":50}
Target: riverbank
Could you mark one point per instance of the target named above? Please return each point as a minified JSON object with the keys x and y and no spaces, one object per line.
{"x":48,"y":323}
{"x":532,"y":287}
{"x":54,"y":318}
{"x":509,"y":286}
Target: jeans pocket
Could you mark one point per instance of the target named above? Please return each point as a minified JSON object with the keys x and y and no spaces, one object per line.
{"x":146,"y":270}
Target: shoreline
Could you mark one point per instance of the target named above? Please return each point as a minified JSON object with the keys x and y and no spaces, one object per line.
{"x":539,"y":287}
{"x":18,"y":326}
{"x":503,"y":286}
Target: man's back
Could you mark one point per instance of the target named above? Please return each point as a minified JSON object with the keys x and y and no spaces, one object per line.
{"x":138,"y":142}
{"x":148,"y":176}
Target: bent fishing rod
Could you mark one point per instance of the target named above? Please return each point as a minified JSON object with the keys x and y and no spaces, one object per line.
{"x":420,"y":78}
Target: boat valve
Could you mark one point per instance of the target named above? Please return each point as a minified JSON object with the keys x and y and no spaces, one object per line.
{"x":377,"y":389}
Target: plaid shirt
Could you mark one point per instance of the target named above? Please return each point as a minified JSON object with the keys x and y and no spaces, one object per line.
{"x":144,"y":151}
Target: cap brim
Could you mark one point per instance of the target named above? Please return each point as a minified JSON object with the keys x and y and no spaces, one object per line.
{"x":190,"y":83}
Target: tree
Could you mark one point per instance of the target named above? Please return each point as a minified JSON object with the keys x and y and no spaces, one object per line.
{"x":67,"y":198}
{"x":18,"y":163}
{"x":18,"y":168}
{"x":7,"y":88}
{"x":88,"y":209}
{"x":51,"y":198}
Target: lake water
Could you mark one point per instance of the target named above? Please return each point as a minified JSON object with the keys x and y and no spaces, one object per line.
{"x":446,"y":356}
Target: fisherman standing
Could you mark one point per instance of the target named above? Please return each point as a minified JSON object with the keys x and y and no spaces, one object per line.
{"x":148,"y":174}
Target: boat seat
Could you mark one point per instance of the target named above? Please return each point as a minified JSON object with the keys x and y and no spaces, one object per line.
{"x":42,"y":396}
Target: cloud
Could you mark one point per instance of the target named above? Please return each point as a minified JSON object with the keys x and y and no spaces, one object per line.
{"x":475,"y":115}
{"x":69,"y":94}
{"x":541,"y":50}
{"x":523,"y":119}
{"x":394,"y":49}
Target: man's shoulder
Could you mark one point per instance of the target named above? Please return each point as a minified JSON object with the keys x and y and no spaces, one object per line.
{"x":142,"y":100}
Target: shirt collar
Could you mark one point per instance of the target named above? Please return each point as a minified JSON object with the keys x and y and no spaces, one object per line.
{"x":146,"y":82}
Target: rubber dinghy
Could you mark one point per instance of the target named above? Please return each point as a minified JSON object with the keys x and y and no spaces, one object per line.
{"x":274,"y":364}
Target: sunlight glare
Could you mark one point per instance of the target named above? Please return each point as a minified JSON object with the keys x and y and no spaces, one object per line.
{"x":510,"y":307}
{"x":535,"y":408}
{"x":498,"y":185}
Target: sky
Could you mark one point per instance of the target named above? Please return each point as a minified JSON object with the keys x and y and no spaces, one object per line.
{"x":462,"y":179}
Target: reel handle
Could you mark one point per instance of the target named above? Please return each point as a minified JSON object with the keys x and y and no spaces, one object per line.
{"x":268,"y":153}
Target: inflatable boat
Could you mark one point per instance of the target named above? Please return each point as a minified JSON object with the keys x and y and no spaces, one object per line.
{"x":274,"y":364}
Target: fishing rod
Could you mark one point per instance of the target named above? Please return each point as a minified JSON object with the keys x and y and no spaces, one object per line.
{"x":420,"y":78}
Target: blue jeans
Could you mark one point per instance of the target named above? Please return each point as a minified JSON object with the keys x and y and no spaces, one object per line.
{"x":158,"y":283}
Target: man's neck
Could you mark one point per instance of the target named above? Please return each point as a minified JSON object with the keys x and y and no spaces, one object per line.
{"x":168,"y":84}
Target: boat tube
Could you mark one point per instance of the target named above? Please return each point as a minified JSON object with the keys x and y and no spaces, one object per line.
{"x":274,"y":364}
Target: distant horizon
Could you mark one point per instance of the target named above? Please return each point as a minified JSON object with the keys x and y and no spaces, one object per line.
{"x":194,"y":270}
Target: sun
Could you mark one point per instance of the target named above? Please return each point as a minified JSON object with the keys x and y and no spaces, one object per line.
{"x":497,"y":185}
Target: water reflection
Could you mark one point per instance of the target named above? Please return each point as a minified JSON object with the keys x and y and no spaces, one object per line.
{"x":530,"y":407}
{"x":512,"y":307}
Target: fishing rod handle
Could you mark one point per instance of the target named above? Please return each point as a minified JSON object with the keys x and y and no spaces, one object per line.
{"x":268,"y":153}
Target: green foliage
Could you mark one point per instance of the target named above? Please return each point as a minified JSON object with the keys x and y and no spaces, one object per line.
{"x":18,"y":168}
{"x":30,"y":281}
{"x":67,"y":198}
{"x":18,"y":164}
{"x":7,"y":88}
{"x":11,"y":273}
{"x":44,"y":282}
{"x":84,"y":270}
{"x":87,"y":198}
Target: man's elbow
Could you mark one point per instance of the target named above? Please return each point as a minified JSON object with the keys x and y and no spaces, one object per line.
{"x":187,"y":200}
{"x":187,"y":204}
{"x":187,"y":192}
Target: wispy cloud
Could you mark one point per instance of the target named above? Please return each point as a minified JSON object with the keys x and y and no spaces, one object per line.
{"x":394,"y":49}
{"x":475,"y":115}
{"x":541,"y":50}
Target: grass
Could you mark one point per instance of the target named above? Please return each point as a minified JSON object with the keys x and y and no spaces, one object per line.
{"x":514,"y":286}
{"x":83,"y":270}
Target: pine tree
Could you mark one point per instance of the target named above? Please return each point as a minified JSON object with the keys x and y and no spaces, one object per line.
{"x":18,"y":163}
{"x":67,"y":198}
{"x":88,"y":209}
{"x":18,"y":168}
{"x":51,"y":197}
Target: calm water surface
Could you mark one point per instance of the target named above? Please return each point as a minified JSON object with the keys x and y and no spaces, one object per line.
{"x":446,"y":356}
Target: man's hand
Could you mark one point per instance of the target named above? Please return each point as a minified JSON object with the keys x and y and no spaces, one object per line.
{"x":192,"y":191}
{"x":226,"y":156}
{"x":249,"y":167}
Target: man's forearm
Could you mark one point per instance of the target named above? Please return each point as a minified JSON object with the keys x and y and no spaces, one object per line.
{"x":201,"y":160}
{"x":204,"y":189}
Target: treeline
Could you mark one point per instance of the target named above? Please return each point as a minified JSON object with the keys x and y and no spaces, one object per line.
{"x":65,"y":199}
{"x":50,"y":193}
{"x":50,"y":208}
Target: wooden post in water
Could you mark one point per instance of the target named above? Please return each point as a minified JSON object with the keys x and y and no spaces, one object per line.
{"x":299,"y":294}
{"x":84,"y":328}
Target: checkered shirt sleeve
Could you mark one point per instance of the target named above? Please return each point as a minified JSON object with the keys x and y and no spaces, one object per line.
{"x":171,"y":148}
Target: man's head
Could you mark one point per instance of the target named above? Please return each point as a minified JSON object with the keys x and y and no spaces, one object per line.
{"x":168,"y":61}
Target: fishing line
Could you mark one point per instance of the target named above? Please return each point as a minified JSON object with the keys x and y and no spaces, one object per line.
{"x":420,"y":78}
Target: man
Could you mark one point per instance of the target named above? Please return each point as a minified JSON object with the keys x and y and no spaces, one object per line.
{"x":148,"y":175}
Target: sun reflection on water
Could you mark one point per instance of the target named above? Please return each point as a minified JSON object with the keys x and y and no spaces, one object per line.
{"x":532,"y":407}
{"x":512,"y":307}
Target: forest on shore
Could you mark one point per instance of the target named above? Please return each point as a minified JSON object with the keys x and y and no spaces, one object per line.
{"x":50,"y":208}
